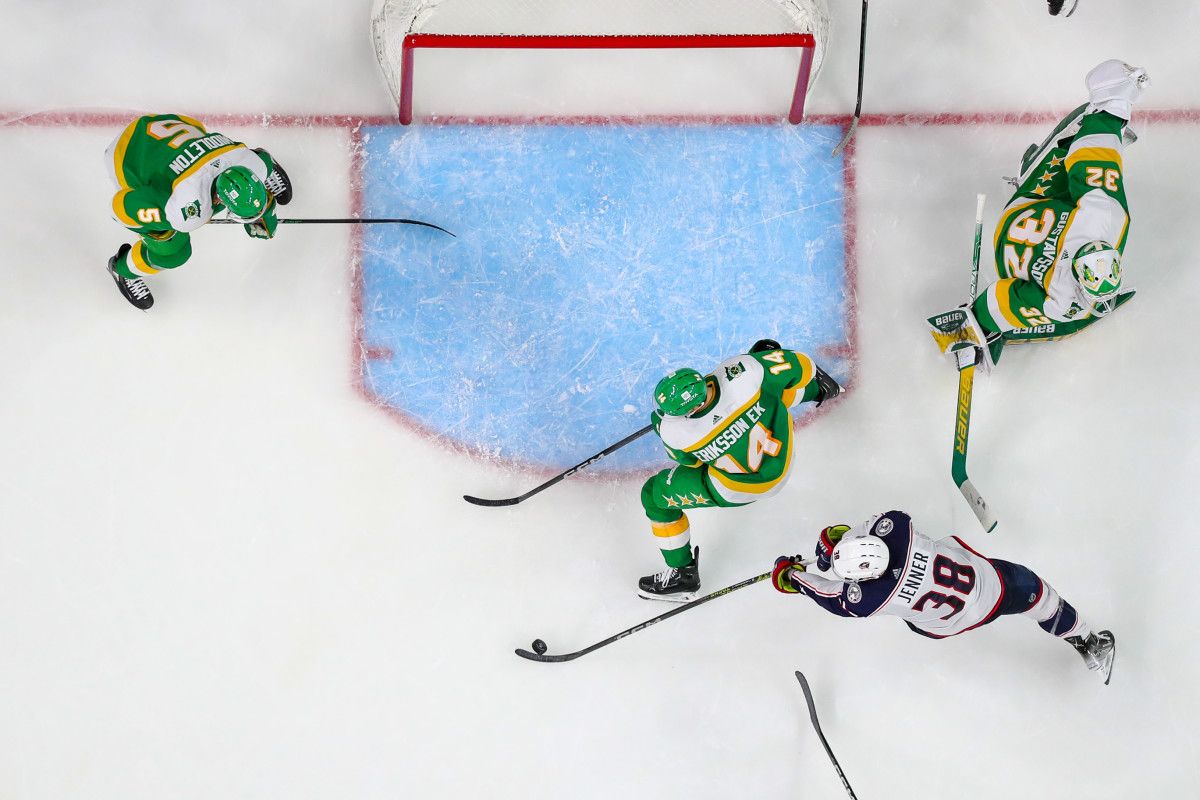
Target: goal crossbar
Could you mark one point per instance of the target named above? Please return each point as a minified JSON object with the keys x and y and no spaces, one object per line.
{"x":413,"y":41}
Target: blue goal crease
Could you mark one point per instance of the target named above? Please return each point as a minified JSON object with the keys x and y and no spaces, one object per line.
{"x":590,"y":261}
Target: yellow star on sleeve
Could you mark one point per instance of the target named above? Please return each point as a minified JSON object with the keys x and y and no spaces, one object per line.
{"x":1055,"y":161}
{"x":1047,"y":176}
{"x":684,"y":500}
{"x":671,"y":502}
{"x":700,"y":499}
{"x":1040,"y":191}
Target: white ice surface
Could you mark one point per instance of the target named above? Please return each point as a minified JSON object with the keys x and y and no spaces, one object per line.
{"x":223,"y":575}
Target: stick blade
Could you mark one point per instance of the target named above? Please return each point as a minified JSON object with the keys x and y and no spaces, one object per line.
{"x":545,"y":658}
{"x":483,"y":501}
{"x":846,"y":139}
{"x":975,"y":500}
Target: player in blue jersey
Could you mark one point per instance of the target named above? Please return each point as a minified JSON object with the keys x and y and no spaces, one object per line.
{"x":939,"y":588}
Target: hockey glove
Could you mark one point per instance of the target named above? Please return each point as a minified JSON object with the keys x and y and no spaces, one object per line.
{"x":781,"y":575}
{"x":263,"y":227}
{"x":1114,"y":86}
{"x":829,"y":538}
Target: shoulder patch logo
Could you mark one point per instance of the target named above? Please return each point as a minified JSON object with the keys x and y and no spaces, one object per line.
{"x":853,"y":593}
{"x":192,"y":209}
{"x":733,"y":371}
{"x":884,"y":526}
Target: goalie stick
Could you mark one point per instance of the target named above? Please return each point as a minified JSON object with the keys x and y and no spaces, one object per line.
{"x":862,"y":59}
{"x":966,"y":383}
{"x":344,"y":221}
{"x":812,"y":714}
{"x":512,"y":501}
{"x":539,"y":646}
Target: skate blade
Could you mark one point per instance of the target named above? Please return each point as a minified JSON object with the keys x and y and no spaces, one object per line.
{"x":678,"y":597}
{"x":1107,"y":669}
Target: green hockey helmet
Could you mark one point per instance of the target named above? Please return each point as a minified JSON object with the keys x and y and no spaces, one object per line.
{"x":240,"y":191}
{"x":1097,"y":266}
{"x":681,"y":392}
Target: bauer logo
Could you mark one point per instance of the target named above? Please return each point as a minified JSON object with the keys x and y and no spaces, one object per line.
{"x":589,"y":264}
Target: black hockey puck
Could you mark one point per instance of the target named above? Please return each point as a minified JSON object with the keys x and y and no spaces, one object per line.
{"x":539,"y":647}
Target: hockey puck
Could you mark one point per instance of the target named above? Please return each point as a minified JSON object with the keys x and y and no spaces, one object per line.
{"x":539,"y":647}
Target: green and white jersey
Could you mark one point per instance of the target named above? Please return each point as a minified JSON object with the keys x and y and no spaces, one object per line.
{"x":163,"y":167}
{"x":744,"y":435}
{"x":1073,"y":196}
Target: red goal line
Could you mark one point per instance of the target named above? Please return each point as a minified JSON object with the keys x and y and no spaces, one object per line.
{"x":412,"y":41}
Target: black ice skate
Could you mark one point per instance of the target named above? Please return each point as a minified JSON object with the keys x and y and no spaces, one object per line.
{"x":1098,"y":651}
{"x":1056,"y":7}
{"x":673,"y":584}
{"x":135,"y":291}
{"x":278,"y":183}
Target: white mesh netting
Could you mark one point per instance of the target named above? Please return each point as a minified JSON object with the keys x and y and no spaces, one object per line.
{"x":392,"y":20}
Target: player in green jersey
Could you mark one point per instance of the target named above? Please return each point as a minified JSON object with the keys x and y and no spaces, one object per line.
{"x":171,"y":175}
{"x":730,"y":434}
{"x":1059,"y":241}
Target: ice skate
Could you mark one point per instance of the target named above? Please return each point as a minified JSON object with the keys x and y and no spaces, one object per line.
{"x":135,"y":291}
{"x":1098,"y":651}
{"x":673,"y":584}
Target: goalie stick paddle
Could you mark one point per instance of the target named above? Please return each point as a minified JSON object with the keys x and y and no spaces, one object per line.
{"x":582,"y":465}
{"x":862,"y":62}
{"x":539,"y":646}
{"x":345,"y":221}
{"x":966,"y":384}
{"x":812,"y":714}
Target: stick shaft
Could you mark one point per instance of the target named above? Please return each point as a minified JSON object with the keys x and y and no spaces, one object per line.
{"x":342,"y":221}
{"x":642,"y":625}
{"x":862,"y":64}
{"x":816,"y":723}
{"x":582,"y":465}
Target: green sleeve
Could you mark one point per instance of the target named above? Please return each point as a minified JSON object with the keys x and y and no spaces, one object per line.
{"x":788,"y":374}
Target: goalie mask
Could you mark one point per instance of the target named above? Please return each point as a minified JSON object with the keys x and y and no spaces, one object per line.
{"x":861,"y":558}
{"x":1097,"y":267}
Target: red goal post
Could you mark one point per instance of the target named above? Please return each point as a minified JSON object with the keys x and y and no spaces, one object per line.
{"x":598,"y":59}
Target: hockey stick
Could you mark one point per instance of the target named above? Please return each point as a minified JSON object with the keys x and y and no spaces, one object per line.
{"x":539,"y":645}
{"x":862,"y":58}
{"x":812,"y":714}
{"x":512,"y":501}
{"x":966,"y":383}
{"x":346,"y":221}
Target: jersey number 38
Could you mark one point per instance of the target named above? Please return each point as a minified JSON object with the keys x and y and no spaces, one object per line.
{"x":959,"y":578}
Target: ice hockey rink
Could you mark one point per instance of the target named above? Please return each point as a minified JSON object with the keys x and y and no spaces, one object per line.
{"x":229,"y":570}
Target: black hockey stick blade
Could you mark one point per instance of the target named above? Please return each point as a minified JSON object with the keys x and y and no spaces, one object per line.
{"x":582,"y":465}
{"x":816,"y":723}
{"x":553,"y":659}
{"x":345,"y":221}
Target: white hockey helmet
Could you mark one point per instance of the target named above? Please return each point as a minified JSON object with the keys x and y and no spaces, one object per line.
{"x":1097,"y":267}
{"x":861,"y":558}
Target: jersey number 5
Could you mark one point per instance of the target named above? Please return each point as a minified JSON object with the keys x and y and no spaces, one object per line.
{"x":959,"y":578}
{"x":178,"y":131}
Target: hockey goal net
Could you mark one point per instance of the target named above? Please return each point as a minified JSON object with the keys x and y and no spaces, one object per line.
{"x":482,"y":59}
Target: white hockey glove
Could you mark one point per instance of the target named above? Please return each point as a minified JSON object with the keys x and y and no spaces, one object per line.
{"x":1114,"y":86}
